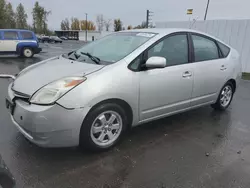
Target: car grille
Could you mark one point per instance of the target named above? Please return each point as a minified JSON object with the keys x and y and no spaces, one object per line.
{"x":21,"y":96}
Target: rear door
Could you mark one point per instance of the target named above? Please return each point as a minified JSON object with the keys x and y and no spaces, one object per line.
{"x":27,"y":36}
{"x":10,"y":41}
{"x":210,"y":70}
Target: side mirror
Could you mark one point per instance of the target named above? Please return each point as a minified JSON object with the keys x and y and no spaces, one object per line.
{"x":156,"y":62}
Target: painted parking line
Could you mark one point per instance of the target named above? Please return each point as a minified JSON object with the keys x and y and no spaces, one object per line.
{"x":56,"y":47}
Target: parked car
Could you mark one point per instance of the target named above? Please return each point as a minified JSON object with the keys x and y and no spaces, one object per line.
{"x":21,"y":42}
{"x":122,"y":80}
{"x":63,"y":38}
{"x":6,"y":178}
{"x":44,"y":39}
{"x":38,"y":38}
{"x":55,"y":39}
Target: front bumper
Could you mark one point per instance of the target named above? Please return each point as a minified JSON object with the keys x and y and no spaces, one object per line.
{"x":48,"y":126}
{"x":37,"y":50}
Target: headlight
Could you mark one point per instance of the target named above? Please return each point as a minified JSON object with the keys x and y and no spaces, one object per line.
{"x":53,"y":91}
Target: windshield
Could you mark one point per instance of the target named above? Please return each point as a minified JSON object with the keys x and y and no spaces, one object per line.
{"x":114,"y":47}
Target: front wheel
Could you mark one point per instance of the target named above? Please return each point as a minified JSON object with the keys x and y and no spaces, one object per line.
{"x":27,"y":52}
{"x":103,"y":127}
{"x":225,"y":98}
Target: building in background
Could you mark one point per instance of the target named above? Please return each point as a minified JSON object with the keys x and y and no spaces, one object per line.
{"x":81,"y":35}
{"x":236,"y":33}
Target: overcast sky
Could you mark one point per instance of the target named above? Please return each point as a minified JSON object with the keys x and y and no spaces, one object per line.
{"x":134,"y":11}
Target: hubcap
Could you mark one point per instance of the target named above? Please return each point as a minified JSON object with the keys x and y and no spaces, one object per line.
{"x":27,"y":53}
{"x":106,"y":128}
{"x":226,"y":96}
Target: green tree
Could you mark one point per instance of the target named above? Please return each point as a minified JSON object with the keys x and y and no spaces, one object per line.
{"x":40,"y":18}
{"x":75,"y":24}
{"x":10,"y":17}
{"x":117,"y":25}
{"x":21,"y":17}
{"x":2,"y":14}
{"x":45,"y":20}
{"x":37,"y":18}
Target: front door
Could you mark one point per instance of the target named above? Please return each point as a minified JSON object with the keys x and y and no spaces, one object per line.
{"x":167,"y":90}
{"x":210,"y":70}
{"x":10,"y":41}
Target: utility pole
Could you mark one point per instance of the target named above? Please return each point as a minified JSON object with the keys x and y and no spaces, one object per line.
{"x":148,"y":18}
{"x":86,"y":29}
{"x":208,"y":1}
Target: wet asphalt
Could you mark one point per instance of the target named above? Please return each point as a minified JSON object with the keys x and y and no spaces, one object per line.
{"x":197,"y":149}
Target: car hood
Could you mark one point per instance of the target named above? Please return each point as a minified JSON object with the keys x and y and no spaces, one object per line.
{"x":38,"y":75}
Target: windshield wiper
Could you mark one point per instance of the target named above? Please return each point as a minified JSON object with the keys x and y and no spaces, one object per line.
{"x":75,"y":54}
{"x":93,"y":58}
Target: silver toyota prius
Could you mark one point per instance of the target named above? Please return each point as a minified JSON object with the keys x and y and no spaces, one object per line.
{"x":90,"y":96}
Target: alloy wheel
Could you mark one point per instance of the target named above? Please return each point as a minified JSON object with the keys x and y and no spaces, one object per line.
{"x":106,"y":128}
{"x":226,"y":96}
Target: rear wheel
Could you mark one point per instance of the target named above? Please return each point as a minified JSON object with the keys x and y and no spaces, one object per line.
{"x":103,"y":127}
{"x":27,"y":52}
{"x":225,"y":98}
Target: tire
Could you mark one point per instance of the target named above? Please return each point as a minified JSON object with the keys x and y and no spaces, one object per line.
{"x":98,"y":121}
{"x":27,"y":52}
{"x":224,"y":101}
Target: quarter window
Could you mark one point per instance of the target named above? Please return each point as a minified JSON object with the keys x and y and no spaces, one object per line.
{"x":26,"y":35}
{"x":204,"y":49}
{"x":225,"y":50}
{"x":173,"y":48}
{"x":10,"y":35}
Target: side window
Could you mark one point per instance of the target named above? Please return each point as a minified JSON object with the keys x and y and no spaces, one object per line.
{"x":173,"y":48}
{"x":10,"y":35}
{"x":26,"y":35}
{"x":225,"y":50}
{"x":204,"y":49}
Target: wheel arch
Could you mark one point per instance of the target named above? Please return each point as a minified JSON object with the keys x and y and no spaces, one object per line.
{"x":125,"y":105}
{"x":23,"y":45}
{"x":233,"y":82}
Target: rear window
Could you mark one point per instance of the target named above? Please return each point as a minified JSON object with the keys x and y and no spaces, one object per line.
{"x":224,"y":49}
{"x":26,"y":35}
{"x":10,"y":35}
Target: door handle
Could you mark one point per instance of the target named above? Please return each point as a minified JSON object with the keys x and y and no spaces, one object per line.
{"x":186,"y":74}
{"x":223,"y":67}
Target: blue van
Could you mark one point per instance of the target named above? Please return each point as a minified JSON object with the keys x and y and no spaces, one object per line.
{"x":21,"y":42}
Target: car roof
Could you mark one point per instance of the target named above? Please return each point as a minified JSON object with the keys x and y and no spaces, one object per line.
{"x":166,"y":31}
{"x":15,"y":30}
{"x":163,"y":30}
